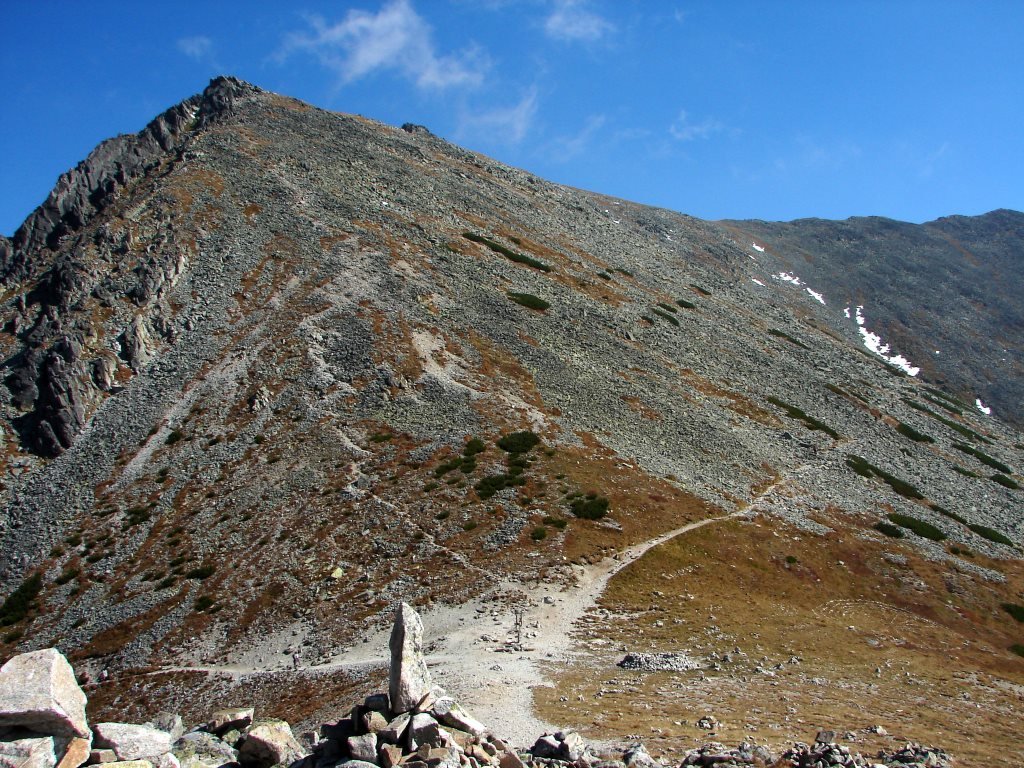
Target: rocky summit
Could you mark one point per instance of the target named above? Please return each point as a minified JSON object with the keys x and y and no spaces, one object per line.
{"x":271,"y":373}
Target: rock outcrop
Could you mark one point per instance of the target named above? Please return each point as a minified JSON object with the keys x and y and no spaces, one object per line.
{"x":409,"y":680}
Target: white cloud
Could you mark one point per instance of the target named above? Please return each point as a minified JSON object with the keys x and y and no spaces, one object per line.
{"x":196,"y":48}
{"x":684,"y":129}
{"x":571,"y":21}
{"x":395,"y":37}
{"x":506,"y":125}
{"x":568,"y":147}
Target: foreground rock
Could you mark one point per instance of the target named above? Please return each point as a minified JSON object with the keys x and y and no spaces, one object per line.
{"x":38,"y":691}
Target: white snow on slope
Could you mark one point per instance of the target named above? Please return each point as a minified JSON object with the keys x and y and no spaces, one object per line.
{"x":816,"y":295}
{"x":757,"y":247}
{"x":874,"y":342}
{"x":757,"y":281}
{"x":847,"y":313}
{"x":788,"y":278}
{"x":982,"y":407}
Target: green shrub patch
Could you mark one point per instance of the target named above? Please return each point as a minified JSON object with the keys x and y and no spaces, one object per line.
{"x":518,"y":442}
{"x":908,"y":431}
{"x":665,"y":316}
{"x":783,"y":335}
{"x":865,"y":469}
{"x":686,"y":304}
{"x":529,"y":301}
{"x":20,"y":601}
{"x":1005,"y":481}
{"x":983,"y":457}
{"x":923,"y":529}
{"x":508,"y":253}
{"x":1016,"y":611}
{"x":889,"y":529}
{"x":590,"y":507}
{"x":809,"y":421}
{"x":990,"y":533}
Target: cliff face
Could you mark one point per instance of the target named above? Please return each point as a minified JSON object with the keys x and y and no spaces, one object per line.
{"x":269,"y":370}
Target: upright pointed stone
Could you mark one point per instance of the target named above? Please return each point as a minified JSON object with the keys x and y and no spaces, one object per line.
{"x":409,"y":679}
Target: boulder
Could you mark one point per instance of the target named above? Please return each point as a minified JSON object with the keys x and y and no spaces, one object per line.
{"x":363,"y":747}
{"x":28,"y":753}
{"x":409,"y":680}
{"x":390,"y":755}
{"x":269,"y":743}
{"x":374,"y":722}
{"x":639,"y":757}
{"x":38,"y":691}
{"x":130,"y":764}
{"x":169,"y":722}
{"x":423,"y":729}
{"x":77,"y":752}
{"x":392,"y":734}
{"x":203,"y":750}
{"x":98,"y":756}
{"x":448,"y":712}
{"x":132,"y":742}
{"x":227,"y":719}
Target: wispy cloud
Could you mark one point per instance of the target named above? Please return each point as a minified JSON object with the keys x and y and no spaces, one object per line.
{"x":685,"y":129}
{"x":568,"y":147}
{"x":197,"y":48}
{"x":933,"y":159}
{"x":571,"y":21}
{"x":503,"y":125}
{"x":395,"y":38}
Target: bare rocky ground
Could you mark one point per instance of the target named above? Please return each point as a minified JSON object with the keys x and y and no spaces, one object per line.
{"x":260,"y":361}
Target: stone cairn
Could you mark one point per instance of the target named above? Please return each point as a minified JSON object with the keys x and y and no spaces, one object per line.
{"x":414,"y":725}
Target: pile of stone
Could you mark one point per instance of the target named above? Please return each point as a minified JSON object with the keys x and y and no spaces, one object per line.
{"x":659,"y":662}
{"x":416,"y":724}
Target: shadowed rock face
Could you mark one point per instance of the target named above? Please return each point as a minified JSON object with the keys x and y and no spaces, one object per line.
{"x":264,"y":366}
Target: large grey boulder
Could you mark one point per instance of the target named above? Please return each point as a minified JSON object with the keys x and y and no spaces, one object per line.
{"x":448,"y":712}
{"x":409,"y":680}
{"x":38,"y":691}
{"x":224,"y":720}
{"x":203,"y":750}
{"x":269,"y":743}
{"x":132,"y":742}
{"x":28,"y":753}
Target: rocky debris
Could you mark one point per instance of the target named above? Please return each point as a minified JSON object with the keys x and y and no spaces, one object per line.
{"x":36,"y":752}
{"x":409,"y":680}
{"x":230,"y":719}
{"x":131,"y":742}
{"x":659,"y":662}
{"x":38,"y":691}
{"x":823,"y":754}
{"x":269,"y":743}
{"x":563,"y":746}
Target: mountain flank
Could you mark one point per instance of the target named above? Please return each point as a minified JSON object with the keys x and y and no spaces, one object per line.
{"x":270,"y":371}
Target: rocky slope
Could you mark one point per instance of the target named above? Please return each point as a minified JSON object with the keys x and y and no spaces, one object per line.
{"x":270,"y":370}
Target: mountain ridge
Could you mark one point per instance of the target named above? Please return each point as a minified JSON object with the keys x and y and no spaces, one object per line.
{"x":305,"y":366}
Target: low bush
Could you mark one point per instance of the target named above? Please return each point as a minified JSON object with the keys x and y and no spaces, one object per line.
{"x":469,"y":525}
{"x":490,"y":485}
{"x":865,"y":469}
{"x":203,"y":602}
{"x":539,"y":533}
{"x":202,"y":572}
{"x":69,"y":574}
{"x":665,"y":316}
{"x":1017,"y":648}
{"x":809,"y":421}
{"x":947,"y":513}
{"x":922,"y":528}
{"x":701,"y":291}
{"x":474,"y":446}
{"x":667,"y":307}
{"x":990,"y":533}
{"x":686,"y":304}
{"x":908,"y":431}
{"x":589,"y":508}
{"x":173,"y":437}
{"x":889,"y":529}
{"x":20,"y":601}
{"x":983,"y":457}
{"x":1005,"y":481}
{"x":556,"y":522}
{"x":508,"y":253}
{"x":783,"y":335}
{"x":529,"y":301}
{"x":518,"y":442}
{"x":1016,"y":611}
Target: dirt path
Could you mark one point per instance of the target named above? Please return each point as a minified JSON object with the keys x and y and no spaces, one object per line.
{"x":468,"y":646}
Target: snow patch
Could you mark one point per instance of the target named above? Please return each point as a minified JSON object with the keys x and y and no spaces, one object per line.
{"x":757,"y":247}
{"x":788,"y":278}
{"x":818,"y":297}
{"x":982,"y":407}
{"x":758,"y":281}
{"x":847,"y":313}
{"x":874,"y":342}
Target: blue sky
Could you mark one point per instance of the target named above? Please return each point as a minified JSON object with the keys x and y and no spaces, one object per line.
{"x":772,"y":110}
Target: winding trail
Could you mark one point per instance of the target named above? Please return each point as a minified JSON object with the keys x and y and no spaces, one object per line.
{"x":468,"y":645}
